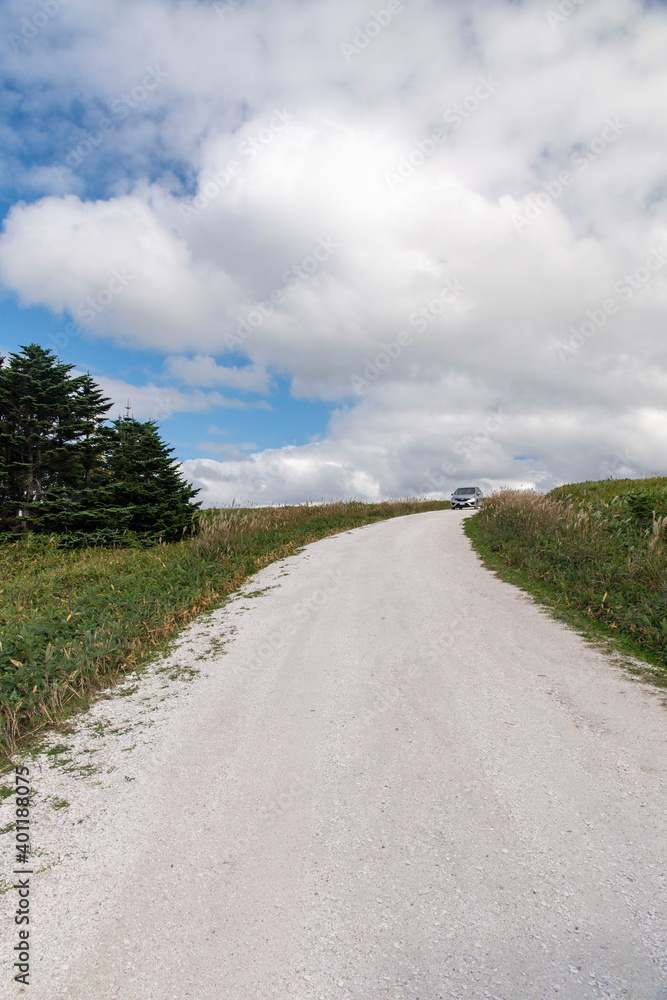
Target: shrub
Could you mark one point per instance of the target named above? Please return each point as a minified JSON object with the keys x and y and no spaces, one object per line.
{"x":597,"y":554}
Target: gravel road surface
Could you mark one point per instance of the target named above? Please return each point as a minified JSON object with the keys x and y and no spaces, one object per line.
{"x":394,"y":776}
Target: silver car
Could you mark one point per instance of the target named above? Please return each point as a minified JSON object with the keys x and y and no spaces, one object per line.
{"x":466,"y":496}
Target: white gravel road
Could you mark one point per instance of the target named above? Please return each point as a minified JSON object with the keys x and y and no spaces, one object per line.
{"x":393,"y":777}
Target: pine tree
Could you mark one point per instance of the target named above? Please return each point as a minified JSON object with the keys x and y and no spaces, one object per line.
{"x":147,"y":491}
{"x":50,"y":425}
{"x":63,"y":469}
{"x":93,"y":435}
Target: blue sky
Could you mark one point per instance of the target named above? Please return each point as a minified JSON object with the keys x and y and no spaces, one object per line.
{"x":282,"y":420}
{"x":339,"y":250}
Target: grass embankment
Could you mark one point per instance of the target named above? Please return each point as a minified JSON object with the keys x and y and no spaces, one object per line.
{"x":73,"y":621}
{"x":594,"y":552}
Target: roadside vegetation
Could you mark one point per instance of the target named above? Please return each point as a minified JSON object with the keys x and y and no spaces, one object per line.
{"x":594,"y":552}
{"x":73,"y":620}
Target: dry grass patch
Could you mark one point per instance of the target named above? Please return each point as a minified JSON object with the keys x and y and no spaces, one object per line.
{"x":597,"y":552}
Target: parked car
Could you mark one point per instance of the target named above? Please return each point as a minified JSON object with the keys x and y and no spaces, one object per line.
{"x":466,"y":496}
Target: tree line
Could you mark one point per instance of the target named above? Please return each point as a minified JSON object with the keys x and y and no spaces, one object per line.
{"x":65,"y":468}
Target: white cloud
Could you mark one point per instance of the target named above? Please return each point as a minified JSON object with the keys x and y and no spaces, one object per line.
{"x":155,"y":402}
{"x":110,"y":264}
{"x":428,"y":439}
{"x":227,"y":450}
{"x":285,"y":143}
{"x":202,"y":370}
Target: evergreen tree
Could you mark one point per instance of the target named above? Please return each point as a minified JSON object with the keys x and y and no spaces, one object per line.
{"x":147,"y":491}
{"x":50,"y":438}
{"x":93,"y":436}
{"x":63,"y":469}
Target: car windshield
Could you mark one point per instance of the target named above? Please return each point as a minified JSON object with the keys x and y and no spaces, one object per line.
{"x":465,"y":489}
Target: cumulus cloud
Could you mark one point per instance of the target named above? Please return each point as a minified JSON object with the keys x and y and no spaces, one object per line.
{"x":155,"y":402}
{"x":203,"y":370}
{"x":449,"y":224}
{"x":424,"y":440}
{"x":110,"y":264}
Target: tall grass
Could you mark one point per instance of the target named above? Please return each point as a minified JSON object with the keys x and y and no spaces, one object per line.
{"x":72,"y":620}
{"x":598,"y":550}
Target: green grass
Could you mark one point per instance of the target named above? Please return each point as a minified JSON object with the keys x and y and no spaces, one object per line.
{"x":58,"y":803}
{"x":74,"y":621}
{"x":595,"y":553}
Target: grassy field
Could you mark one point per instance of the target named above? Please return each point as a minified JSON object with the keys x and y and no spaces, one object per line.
{"x":594,"y":552}
{"x":72,"y":621}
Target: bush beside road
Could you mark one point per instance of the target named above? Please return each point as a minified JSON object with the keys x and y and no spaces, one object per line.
{"x":594,"y":552}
